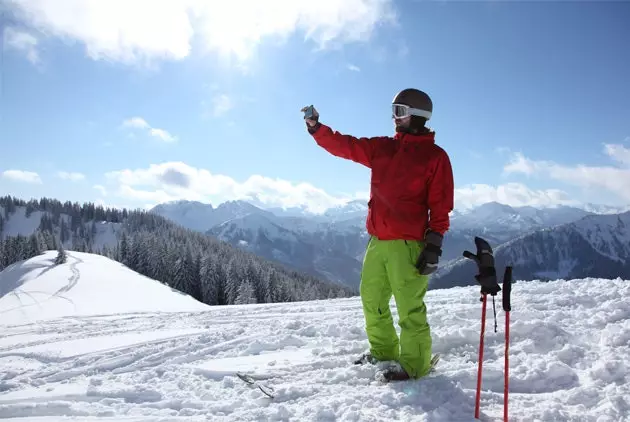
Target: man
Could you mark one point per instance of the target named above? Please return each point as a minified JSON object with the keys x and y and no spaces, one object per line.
{"x":411,"y":197}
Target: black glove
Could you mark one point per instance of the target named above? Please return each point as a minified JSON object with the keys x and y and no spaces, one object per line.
{"x":428,"y":260}
{"x":311,"y":117}
{"x":484,"y":258}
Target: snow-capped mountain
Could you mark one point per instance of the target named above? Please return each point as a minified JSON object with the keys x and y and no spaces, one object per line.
{"x":208,"y":269}
{"x":353,"y":210}
{"x":329,"y":246}
{"x":198,"y":216}
{"x":503,"y":222}
{"x":267,"y":236}
{"x":499,"y":223}
{"x":310,"y":241}
{"x":594,"y":246}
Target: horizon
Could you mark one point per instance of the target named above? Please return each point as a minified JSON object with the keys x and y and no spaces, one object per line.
{"x":593,"y":208}
{"x":103,"y":103}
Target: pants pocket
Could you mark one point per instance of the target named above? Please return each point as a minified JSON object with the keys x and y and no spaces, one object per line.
{"x":414,"y":248}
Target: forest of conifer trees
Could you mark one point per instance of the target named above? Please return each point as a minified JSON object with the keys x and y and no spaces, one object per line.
{"x":210,"y":270}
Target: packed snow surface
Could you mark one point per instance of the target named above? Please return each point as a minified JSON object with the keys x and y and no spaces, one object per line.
{"x":125,"y":348}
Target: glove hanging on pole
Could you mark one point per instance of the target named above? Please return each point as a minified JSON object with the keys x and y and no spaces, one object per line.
{"x":487,"y":278}
{"x":487,"y":275}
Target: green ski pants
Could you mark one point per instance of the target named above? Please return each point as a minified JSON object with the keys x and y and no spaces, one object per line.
{"x":389,"y":268}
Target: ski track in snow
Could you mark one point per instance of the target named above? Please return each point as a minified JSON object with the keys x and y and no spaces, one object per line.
{"x":569,"y":360}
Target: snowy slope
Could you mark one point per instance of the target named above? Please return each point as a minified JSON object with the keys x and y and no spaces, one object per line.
{"x":85,"y":285}
{"x":18,"y":223}
{"x":609,"y":234}
{"x":569,"y":358}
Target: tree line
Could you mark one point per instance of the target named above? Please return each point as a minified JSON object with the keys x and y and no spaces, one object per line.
{"x":210,"y":270}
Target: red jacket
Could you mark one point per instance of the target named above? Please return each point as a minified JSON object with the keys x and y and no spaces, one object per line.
{"x":412,"y":187}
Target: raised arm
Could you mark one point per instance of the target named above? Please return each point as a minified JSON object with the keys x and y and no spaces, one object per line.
{"x":360,"y":150}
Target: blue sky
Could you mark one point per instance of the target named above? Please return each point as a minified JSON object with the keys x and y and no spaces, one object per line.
{"x":136,"y":105}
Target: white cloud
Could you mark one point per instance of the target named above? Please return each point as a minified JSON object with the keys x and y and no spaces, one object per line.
{"x":23,"y":42}
{"x":221,"y":104}
{"x":614,"y":180}
{"x":154,"y":197}
{"x":238,"y":26}
{"x":161,"y":134}
{"x":177,"y":180}
{"x":123,"y":31}
{"x":73,"y":176}
{"x":513,"y":194}
{"x":140,"y":123}
{"x":22,"y":176}
{"x":520,"y":164}
{"x":142,"y":31}
{"x":619,"y":153}
{"x":101,"y":189}
{"x":136,"y":122}
{"x":353,"y":67}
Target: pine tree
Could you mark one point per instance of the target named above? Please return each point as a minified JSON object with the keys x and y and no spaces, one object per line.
{"x":245,"y":293}
{"x":199,"y":265}
{"x":63,"y":231}
{"x":34,"y":245}
{"x":3,"y":260}
{"x":61,"y":255}
{"x":123,"y":249}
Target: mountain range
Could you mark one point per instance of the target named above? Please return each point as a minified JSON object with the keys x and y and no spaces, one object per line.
{"x":594,"y":246}
{"x":194,"y":263}
{"x":331,"y":245}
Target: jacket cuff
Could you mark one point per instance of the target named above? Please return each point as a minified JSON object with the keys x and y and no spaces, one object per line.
{"x":313,"y":129}
{"x":434,"y":238}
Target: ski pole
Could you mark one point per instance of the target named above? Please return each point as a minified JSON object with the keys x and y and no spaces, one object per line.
{"x":507,"y":307}
{"x":480,"y":364}
{"x":484,"y":258}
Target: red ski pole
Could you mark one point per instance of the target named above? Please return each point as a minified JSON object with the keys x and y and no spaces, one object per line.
{"x":484,"y":258}
{"x":507,"y":307}
{"x":480,"y":365}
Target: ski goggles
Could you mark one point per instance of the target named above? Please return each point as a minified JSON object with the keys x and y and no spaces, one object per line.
{"x":401,"y":111}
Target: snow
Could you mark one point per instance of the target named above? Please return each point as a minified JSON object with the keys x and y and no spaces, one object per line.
{"x":106,"y":234}
{"x":19,"y":224}
{"x":86,"y":285}
{"x":609,"y":234}
{"x":117,"y":355}
{"x":565,"y":266}
{"x":203,"y":217}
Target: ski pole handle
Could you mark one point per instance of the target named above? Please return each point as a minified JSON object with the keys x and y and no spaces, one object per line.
{"x":507,"y":289}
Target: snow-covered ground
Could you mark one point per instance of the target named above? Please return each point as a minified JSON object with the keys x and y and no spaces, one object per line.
{"x":92,"y":340}
{"x":86,"y":285}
